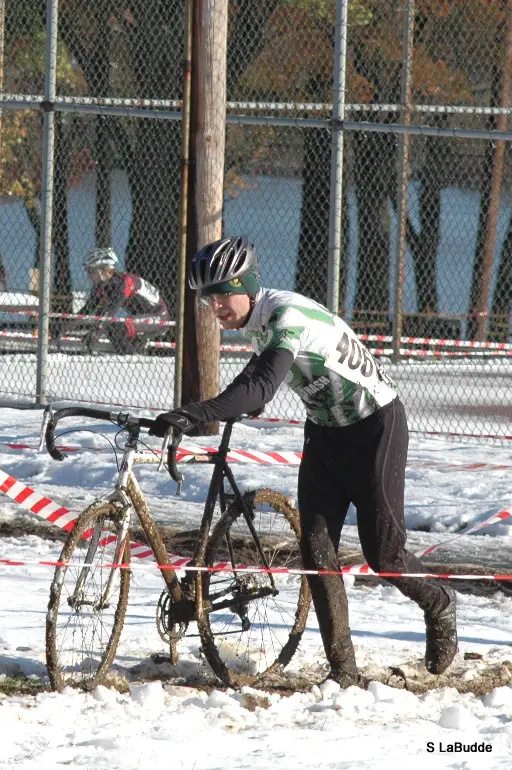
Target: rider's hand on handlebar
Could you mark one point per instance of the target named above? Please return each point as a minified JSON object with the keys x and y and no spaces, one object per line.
{"x":180,"y":421}
{"x":91,"y":338}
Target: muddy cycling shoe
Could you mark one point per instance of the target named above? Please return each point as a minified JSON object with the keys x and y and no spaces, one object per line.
{"x":344,"y":671}
{"x":441,"y":634}
{"x":346,"y":678}
{"x":339,"y":652}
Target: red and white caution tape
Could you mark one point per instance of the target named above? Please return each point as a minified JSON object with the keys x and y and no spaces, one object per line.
{"x":286,"y":420}
{"x":82,"y":317}
{"x":462,"y":435}
{"x":495,"y":518}
{"x":15,"y":335}
{"x":36,"y":503}
{"x":64,"y":519}
{"x":18,"y":335}
{"x":57,"y":515}
{"x":450,"y":467}
{"x":294,"y":458}
{"x":16,"y":445}
{"x":408,"y":353}
{"x":441,"y":342}
{"x":244,"y":456}
{"x":474,"y":344}
{"x":190,"y":455}
{"x":225,"y":567}
{"x":238,"y":348}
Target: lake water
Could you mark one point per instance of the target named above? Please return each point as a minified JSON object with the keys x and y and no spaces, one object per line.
{"x":268,"y":210}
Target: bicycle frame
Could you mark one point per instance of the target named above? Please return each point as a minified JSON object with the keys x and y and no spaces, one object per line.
{"x":128,"y":494}
{"x":214,"y":603}
{"x":216,"y":491}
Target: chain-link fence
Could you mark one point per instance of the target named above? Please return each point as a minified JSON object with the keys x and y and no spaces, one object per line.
{"x":367,"y":157}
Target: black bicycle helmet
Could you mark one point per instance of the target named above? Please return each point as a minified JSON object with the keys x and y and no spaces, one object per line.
{"x":224,"y":261}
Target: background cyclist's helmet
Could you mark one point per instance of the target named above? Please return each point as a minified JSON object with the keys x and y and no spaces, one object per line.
{"x":227,"y":266}
{"x":101,"y":258}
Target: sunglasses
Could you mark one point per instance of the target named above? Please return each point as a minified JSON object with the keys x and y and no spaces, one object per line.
{"x":216,"y":299}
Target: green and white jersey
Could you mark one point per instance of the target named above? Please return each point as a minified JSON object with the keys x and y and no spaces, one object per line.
{"x":336,"y":377}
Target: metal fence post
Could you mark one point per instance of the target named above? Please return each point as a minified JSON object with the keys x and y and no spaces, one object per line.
{"x":48,"y":106}
{"x":338,"y":114}
{"x":403,"y":180}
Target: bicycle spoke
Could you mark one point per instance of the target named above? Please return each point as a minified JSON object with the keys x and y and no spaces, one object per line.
{"x":273,"y":623}
{"x":82,"y":628}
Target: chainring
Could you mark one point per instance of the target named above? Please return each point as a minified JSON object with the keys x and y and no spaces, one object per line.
{"x":169,"y":629}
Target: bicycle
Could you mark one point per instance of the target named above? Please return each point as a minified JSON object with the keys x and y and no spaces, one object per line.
{"x":235,"y":612}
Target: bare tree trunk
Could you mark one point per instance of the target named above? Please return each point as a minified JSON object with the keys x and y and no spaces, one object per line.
{"x":425,"y":256}
{"x":201,"y":365}
{"x":102,"y":148}
{"x":33,"y":211}
{"x":95,"y":65}
{"x":374,"y":160}
{"x":375,"y":183}
{"x":494,"y":158}
{"x":62,"y":300}
{"x":154,"y":172}
{"x":246,"y":39}
{"x":425,"y":246}
{"x":311,"y":275}
{"x":500,"y":329}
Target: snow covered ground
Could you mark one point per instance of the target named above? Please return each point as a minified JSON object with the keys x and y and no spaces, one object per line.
{"x":160,"y":722}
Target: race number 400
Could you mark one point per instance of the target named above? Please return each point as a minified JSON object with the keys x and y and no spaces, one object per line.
{"x":355,"y":355}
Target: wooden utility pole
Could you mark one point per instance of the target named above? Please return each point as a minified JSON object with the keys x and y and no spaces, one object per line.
{"x":206,"y":191}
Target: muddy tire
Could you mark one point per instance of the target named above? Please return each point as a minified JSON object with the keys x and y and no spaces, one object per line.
{"x":252,"y":640}
{"x":87,"y":605}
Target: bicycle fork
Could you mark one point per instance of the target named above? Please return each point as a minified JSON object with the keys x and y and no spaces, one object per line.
{"x":78,"y":598}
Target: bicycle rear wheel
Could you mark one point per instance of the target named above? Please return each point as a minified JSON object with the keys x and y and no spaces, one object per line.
{"x":87,"y":603}
{"x":248,"y":636}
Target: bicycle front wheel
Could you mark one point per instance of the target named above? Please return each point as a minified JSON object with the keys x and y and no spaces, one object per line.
{"x":88,"y":602}
{"x":251,"y":623}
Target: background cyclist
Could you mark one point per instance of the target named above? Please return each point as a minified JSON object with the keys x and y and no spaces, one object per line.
{"x":116,"y":293}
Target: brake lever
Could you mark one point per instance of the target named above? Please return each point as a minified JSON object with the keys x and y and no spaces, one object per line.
{"x":172,"y":449}
{"x":165,"y":445}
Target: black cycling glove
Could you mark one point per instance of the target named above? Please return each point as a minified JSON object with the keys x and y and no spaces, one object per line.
{"x":91,"y":339}
{"x":180,"y":421}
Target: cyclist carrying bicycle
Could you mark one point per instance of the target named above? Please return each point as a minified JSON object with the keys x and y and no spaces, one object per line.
{"x":355,"y":446}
